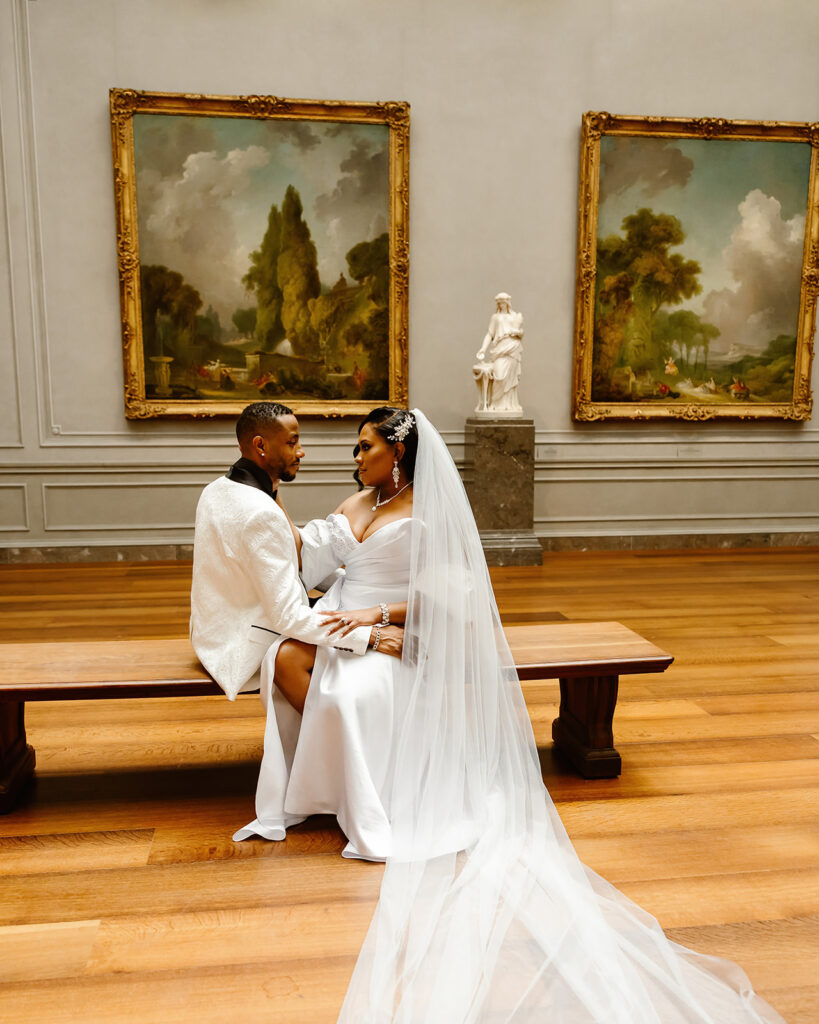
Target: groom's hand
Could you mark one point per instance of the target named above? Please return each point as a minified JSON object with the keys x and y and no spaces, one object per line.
{"x":345,"y":622}
{"x":391,"y":642}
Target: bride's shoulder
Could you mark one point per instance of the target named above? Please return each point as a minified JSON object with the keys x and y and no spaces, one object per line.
{"x":355,"y":501}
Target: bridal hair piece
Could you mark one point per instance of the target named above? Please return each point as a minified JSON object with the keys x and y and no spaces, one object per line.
{"x":402,"y":428}
{"x":486,"y":915}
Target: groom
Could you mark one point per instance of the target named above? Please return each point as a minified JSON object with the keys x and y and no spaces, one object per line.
{"x":246,"y":589}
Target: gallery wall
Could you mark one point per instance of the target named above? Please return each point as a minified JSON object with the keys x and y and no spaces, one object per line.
{"x":497,"y":90}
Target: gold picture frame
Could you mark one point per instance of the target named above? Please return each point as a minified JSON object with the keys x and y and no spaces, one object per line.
{"x":263,"y":252}
{"x":697,"y":269}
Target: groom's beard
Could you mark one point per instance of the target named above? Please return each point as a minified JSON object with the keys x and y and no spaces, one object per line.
{"x":287,"y":472}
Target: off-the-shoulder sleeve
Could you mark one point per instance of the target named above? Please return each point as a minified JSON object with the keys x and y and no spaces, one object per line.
{"x":319,"y":556}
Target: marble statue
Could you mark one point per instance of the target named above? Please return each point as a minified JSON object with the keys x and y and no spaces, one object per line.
{"x":497,"y":372}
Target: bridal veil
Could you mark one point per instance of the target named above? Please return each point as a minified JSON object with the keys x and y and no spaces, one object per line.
{"x":486,"y":915}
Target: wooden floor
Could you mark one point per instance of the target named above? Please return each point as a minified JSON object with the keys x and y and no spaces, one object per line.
{"x":122,"y":897}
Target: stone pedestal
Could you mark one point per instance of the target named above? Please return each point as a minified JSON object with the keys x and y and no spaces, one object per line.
{"x":500,"y":456}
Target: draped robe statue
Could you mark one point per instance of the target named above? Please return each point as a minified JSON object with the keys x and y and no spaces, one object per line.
{"x":497,"y":372}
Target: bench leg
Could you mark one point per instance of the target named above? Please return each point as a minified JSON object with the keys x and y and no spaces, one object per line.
{"x":582,"y":731}
{"x":16,"y":756}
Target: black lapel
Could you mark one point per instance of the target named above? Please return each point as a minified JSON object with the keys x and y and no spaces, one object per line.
{"x":246,"y":472}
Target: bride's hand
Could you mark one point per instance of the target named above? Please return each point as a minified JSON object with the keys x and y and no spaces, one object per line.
{"x":344,"y":622}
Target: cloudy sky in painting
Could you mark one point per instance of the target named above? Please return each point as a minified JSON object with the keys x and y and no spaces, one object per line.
{"x":205,"y":186}
{"x":742,"y":206}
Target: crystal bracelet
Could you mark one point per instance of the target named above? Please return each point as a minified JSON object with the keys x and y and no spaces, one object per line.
{"x":385,"y":614}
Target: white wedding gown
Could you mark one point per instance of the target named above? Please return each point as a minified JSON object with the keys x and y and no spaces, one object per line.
{"x":335,"y":758}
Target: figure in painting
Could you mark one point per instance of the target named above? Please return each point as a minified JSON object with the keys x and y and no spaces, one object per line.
{"x":497,"y":372}
{"x":739,"y":389}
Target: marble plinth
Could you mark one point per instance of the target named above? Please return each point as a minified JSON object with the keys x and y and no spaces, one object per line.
{"x":511,"y":547}
{"x":500,"y":455}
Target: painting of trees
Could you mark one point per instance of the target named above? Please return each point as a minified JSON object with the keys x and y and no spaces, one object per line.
{"x":341,"y":331}
{"x":267,"y":256}
{"x":638,"y":278}
{"x":683,"y":336}
{"x":262,"y":278}
{"x":283,"y":275}
{"x":298,"y":277}
{"x":697,"y":256}
{"x":169,"y":307}
{"x":352,"y":321}
{"x":244,"y":320}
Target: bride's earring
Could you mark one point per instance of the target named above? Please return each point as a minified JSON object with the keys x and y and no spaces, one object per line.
{"x":395,"y":473}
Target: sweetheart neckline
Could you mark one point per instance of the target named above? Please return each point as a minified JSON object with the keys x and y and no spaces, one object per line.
{"x":341,"y":515}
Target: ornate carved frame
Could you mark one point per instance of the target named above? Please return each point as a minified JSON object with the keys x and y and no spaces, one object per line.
{"x":597,"y":124}
{"x":124,"y":104}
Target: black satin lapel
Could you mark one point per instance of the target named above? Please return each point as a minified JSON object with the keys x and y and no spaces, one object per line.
{"x":246,"y":472}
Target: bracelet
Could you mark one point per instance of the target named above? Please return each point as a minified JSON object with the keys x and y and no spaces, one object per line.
{"x":385,"y":614}
{"x":377,"y":637}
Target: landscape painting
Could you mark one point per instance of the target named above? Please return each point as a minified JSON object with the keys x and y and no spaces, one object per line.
{"x":697,"y":269}
{"x":262,"y":253}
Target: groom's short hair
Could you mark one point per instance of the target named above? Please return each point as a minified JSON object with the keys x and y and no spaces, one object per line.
{"x":257,"y":417}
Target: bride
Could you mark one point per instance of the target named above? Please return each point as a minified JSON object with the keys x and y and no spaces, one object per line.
{"x":329,"y":719}
{"x":485,"y":912}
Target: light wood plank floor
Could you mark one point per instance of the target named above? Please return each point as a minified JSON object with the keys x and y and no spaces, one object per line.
{"x":122,"y":897}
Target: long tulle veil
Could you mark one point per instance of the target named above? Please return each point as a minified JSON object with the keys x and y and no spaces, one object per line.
{"x":485,"y":912}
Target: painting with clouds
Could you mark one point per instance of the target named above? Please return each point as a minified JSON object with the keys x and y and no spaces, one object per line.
{"x":697,"y":265}
{"x":266,"y":248}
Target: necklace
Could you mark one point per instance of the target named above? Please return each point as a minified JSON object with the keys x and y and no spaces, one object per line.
{"x":386,"y":501}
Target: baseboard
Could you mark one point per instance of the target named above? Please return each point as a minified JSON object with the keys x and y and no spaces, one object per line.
{"x":635,"y":542}
{"x":684,"y":541}
{"x":97,"y":553}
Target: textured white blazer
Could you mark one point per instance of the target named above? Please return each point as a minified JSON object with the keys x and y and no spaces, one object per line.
{"x":246,"y":590}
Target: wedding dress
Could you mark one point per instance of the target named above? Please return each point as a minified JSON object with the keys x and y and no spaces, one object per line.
{"x":335,"y":758}
{"x":486,"y":915}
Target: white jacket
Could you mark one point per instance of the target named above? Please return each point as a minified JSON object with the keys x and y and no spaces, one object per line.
{"x":246,"y":590}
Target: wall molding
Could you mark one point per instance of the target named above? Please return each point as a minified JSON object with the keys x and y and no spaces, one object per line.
{"x":547,"y":471}
{"x":171,"y":438}
{"x":138,"y":437}
{"x":5,"y":178}
{"x":31,"y":205}
{"x":50,"y":526}
{"x":761,"y":432}
{"x":628,"y":476}
{"x":9,"y":289}
{"x":25,"y":527}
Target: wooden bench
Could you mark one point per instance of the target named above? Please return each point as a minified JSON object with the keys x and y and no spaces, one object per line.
{"x":587,"y":657}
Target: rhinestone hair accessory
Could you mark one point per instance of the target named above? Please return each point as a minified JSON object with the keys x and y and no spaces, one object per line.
{"x":403,"y":428}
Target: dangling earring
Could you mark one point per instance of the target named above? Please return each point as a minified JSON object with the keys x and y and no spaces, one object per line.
{"x":395,"y":473}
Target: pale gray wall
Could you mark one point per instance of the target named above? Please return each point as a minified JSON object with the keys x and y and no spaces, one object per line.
{"x":497,"y":90}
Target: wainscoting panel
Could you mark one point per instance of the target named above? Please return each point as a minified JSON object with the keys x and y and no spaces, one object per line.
{"x":133,"y":507}
{"x":13,"y":509}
